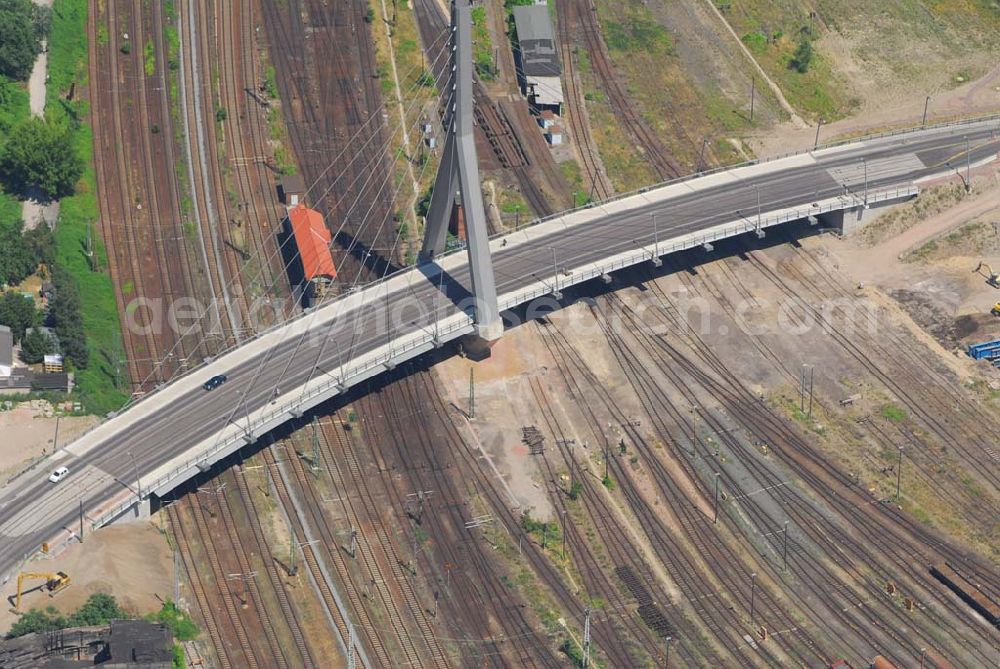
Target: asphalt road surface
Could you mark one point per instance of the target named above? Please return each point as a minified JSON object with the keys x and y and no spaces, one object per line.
{"x":33,"y":510}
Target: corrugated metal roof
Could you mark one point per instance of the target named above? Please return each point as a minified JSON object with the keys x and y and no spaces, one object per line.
{"x":313,"y":240}
{"x":536,"y":40}
{"x":533,"y":22}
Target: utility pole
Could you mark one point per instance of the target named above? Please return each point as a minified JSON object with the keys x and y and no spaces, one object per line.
{"x":90,"y":248}
{"x":701,"y":155}
{"x":927,"y":101}
{"x":81,"y":521}
{"x":472,"y":393}
{"x":753,"y":95}
{"x":753,"y":591}
{"x":55,"y":439}
{"x":666,"y":652}
{"x":586,"y":639}
{"x":812,"y":369}
{"x":757,"y":188}
{"x":177,"y":577}
{"x":607,"y":456}
{"x":315,"y":444}
{"x":354,"y":542}
{"x":784,"y":548}
{"x":968,"y":166}
{"x":656,"y":243}
{"x":818,"y":126}
{"x":716,"y":519}
{"x":555,"y":275}
{"x":899,"y":471}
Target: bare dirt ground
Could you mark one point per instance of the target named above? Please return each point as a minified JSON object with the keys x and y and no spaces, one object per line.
{"x":901,"y":105}
{"x":28,"y":432}
{"x":756,"y":319}
{"x":132,"y":562}
{"x":924,"y":254}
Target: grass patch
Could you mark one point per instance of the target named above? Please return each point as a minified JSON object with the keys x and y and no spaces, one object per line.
{"x":67,"y":64}
{"x":179,"y":622}
{"x":149,"y":58}
{"x":571,"y":170}
{"x":892,"y":413}
{"x":482,"y":45}
{"x":67,"y":48}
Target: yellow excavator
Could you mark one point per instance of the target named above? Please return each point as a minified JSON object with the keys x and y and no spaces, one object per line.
{"x":54,"y":582}
{"x":992,"y":277}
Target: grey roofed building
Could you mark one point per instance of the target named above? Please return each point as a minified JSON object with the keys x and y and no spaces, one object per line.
{"x":537,"y":41}
{"x":6,"y":351}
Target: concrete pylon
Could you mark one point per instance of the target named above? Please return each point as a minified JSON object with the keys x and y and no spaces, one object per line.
{"x":458,"y":181}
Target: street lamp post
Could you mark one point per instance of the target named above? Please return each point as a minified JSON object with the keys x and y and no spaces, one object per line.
{"x":818,"y":126}
{"x":753,"y":591}
{"x":138,"y":483}
{"x":927,"y":102}
{"x":865,"y":163}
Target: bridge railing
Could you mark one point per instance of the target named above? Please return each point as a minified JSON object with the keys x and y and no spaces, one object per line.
{"x":332,"y":304}
{"x":617,"y":197}
{"x":644,"y":253}
{"x":748,"y":163}
{"x":309,"y":398}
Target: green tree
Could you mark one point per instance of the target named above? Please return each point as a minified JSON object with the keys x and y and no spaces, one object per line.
{"x":802,"y":56}
{"x":22,"y":26}
{"x":17,"y":260}
{"x":42,"y":244}
{"x":97,"y":610}
{"x":65,"y":318}
{"x":35,"y":346}
{"x":37,"y":621}
{"x":40,"y":153}
{"x":17,"y":313}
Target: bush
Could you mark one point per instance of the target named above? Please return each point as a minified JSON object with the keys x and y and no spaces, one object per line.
{"x":18,"y":313}
{"x":575,"y":490}
{"x":42,"y":244}
{"x":22,"y":27}
{"x":41,"y":153}
{"x":802,"y":57}
{"x":64,"y":316}
{"x":178,"y":621}
{"x":37,"y":621}
{"x":17,"y":261}
{"x":99,"y":609}
{"x":35,"y":346}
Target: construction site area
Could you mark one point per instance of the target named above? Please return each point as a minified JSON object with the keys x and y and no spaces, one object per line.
{"x":777,"y":451}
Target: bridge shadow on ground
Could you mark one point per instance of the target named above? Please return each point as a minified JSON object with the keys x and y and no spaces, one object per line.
{"x":685,"y":261}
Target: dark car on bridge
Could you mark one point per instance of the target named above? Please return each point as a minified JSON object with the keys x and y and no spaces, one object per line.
{"x":215,"y":382}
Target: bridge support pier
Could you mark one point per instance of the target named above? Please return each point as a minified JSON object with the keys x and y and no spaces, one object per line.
{"x":457,"y":183}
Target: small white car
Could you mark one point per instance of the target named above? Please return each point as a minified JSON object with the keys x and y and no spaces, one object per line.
{"x":59,"y":474}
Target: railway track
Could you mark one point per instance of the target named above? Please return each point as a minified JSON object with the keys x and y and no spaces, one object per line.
{"x":289,"y":613}
{"x":310,"y":559}
{"x":581,"y":17}
{"x":720,"y":618}
{"x":619,"y":550}
{"x":198,"y":588}
{"x":372,"y":572}
{"x":414,"y":435}
{"x":251,"y":588}
{"x":593,"y":169}
{"x":853,"y":515}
